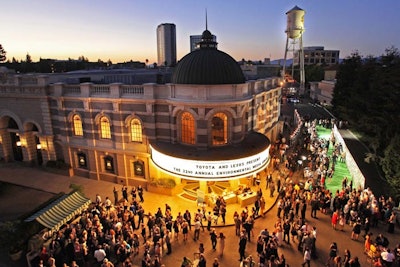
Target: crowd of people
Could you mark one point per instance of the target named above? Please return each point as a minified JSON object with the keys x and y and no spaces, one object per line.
{"x":358,"y":208}
{"x":116,"y":232}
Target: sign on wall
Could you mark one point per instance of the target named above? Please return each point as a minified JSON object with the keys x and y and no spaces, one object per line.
{"x":210,"y":170}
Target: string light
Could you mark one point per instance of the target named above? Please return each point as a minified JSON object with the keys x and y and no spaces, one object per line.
{"x":299,"y":125}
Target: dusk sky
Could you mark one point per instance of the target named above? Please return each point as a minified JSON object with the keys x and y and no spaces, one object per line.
{"x":123,"y":30}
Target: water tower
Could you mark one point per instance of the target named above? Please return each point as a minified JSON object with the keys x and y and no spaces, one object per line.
{"x":294,"y":43}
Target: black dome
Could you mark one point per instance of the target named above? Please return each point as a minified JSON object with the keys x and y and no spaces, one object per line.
{"x":207,"y":65}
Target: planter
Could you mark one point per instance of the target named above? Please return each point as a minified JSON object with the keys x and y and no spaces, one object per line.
{"x":160,"y":190}
{"x":164,"y":190}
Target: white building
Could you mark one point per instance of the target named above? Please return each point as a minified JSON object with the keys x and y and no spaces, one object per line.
{"x":166,"y":44}
{"x":323,"y":91}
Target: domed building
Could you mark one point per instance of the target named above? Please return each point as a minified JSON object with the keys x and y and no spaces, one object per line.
{"x":207,"y":65}
{"x":206,"y":132}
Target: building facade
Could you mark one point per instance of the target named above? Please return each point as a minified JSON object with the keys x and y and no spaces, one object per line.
{"x":166,"y":44}
{"x":318,"y":55}
{"x":322,"y":91}
{"x":207,"y":125}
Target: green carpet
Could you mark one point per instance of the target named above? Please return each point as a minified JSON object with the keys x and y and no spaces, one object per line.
{"x":341,"y":170}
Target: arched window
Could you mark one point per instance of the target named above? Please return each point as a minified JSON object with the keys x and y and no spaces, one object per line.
{"x":187,"y":128}
{"x":219,"y":129}
{"x":105,"y":129}
{"x":78,"y":129}
{"x":136,"y":130}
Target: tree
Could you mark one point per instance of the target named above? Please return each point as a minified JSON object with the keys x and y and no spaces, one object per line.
{"x":83,"y":59}
{"x":2,"y":54}
{"x":342,"y":94}
{"x":314,"y":73}
{"x":28,"y":58}
{"x":391,"y":164}
{"x":367,"y":94}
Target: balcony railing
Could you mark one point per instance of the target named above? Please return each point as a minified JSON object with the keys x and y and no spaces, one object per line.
{"x":99,"y":90}
{"x":128,"y":90}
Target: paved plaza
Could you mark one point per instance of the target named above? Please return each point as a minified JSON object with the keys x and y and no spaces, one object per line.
{"x":50,"y":184}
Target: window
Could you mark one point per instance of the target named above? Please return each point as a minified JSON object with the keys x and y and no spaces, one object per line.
{"x":78,"y":129}
{"x":219,"y":129}
{"x":105,"y":130}
{"x":82,"y":160}
{"x":187,"y":128}
{"x":136,"y":130}
{"x":108,"y":164}
{"x":260,"y":117}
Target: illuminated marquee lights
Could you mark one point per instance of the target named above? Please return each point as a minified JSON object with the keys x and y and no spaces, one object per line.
{"x":212,"y":170}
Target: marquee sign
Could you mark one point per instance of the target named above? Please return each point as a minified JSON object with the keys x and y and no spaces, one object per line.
{"x":210,"y":170}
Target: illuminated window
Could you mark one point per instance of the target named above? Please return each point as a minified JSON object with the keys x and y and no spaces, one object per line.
{"x":78,"y":129}
{"x":136,"y":130}
{"x":260,"y":117}
{"x":105,"y":130}
{"x":108,"y":164}
{"x":219,"y":129}
{"x":187,"y":128}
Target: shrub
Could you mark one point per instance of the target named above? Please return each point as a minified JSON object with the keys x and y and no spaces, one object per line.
{"x":163,"y":182}
{"x":12,"y":236}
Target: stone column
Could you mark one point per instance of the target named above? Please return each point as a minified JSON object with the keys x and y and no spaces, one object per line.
{"x":234,"y":184}
{"x":203,"y":186}
{"x":5,"y":145}
{"x":47,"y":148}
{"x":29,"y":147}
{"x":23,"y":144}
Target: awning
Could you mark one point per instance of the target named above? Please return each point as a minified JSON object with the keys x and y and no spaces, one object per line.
{"x":60,"y":211}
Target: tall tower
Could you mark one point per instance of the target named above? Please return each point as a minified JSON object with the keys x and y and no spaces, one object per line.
{"x":166,"y":44}
{"x":294,"y":42}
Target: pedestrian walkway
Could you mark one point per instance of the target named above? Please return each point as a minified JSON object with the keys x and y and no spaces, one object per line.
{"x":340,"y":170}
{"x":15,"y":173}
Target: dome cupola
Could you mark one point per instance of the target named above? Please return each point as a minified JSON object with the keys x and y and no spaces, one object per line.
{"x":207,"y":65}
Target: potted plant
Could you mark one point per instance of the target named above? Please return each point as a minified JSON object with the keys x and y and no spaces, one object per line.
{"x":166,"y":186}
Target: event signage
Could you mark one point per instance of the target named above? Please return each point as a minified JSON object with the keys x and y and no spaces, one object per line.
{"x":195,"y":169}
